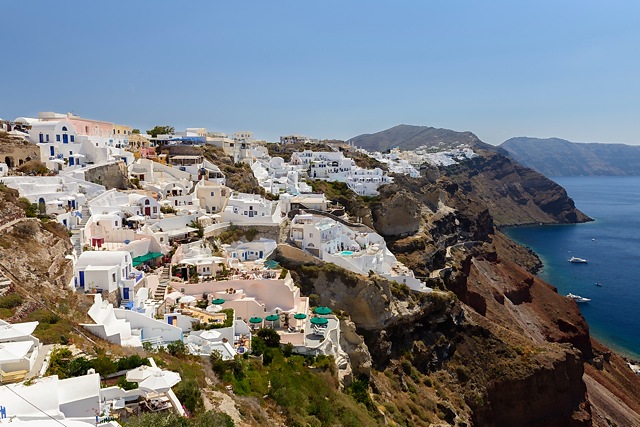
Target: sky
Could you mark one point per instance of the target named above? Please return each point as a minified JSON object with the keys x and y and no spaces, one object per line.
{"x":330,"y":69}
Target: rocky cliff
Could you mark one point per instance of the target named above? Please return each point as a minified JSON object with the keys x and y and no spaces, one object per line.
{"x":493,"y":345}
{"x":559,"y":157}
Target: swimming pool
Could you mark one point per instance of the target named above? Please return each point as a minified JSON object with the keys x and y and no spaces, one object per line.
{"x":346,"y":253}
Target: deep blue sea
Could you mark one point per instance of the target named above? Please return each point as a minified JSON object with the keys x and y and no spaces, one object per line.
{"x":611,"y":244}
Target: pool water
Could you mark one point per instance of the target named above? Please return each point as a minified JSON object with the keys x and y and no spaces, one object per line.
{"x":346,"y":253}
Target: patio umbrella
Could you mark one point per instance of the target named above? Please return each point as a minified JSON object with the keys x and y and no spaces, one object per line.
{"x":299,"y":316}
{"x":136,"y":218}
{"x":213,"y":308}
{"x":141,"y":373}
{"x":160,"y":381}
{"x":217,"y":301}
{"x":272,"y":318}
{"x":319,"y":321}
{"x":187,"y":299}
{"x":255,"y":320}
{"x":322,"y":310}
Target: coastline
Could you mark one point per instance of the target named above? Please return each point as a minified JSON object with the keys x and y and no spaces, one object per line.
{"x":597,"y":332}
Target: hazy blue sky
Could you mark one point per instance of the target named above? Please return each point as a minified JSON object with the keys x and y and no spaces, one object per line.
{"x":330,"y":69}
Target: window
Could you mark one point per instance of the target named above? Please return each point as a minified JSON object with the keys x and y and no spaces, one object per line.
{"x":64,"y":128}
{"x":310,"y":234}
{"x":47,"y":137}
{"x":72,"y":138}
{"x":113,"y":277}
{"x":86,"y":129}
{"x":57,"y":138}
{"x":155,"y":209}
{"x":146,"y":202}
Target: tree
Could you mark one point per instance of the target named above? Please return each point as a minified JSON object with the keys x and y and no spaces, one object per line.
{"x":135,"y":131}
{"x":161,"y":130}
{"x":270,"y":336}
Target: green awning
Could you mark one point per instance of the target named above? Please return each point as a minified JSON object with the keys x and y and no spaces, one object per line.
{"x":299,"y":316}
{"x":272,"y":317}
{"x":217,"y":301}
{"x":144,"y":258}
{"x":255,"y":320}
{"x":319,"y":321}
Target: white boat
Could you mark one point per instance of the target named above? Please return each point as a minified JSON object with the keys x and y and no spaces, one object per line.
{"x":577,"y":260}
{"x":578,"y":298}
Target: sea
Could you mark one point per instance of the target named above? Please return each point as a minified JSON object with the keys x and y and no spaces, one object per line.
{"x":610,"y":244}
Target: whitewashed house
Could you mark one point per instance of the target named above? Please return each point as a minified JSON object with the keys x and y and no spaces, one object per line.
{"x":129,"y":328}
{"x":108,"y":271}
{"x":19,"y":350}
{"x":243,"y":208}
{"x":354,"y":250}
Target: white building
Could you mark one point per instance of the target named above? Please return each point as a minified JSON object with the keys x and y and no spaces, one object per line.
{"x":72,"y":401}
{"x":18,"y":350}
{"x":357,"y":251}
{"x":248,"y":251}
{"x":107,"y":271}
{"x":365,"y":182}
{"x":243,"y":208}
{"x":129,"y":328}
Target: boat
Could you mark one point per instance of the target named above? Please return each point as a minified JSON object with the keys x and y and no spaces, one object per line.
{"x":598,"y":284}
{"x":578,"y":298}
{"x":577,"y":260}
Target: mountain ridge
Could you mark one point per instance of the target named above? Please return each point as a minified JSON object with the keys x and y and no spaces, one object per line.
{"x":574,"y":158}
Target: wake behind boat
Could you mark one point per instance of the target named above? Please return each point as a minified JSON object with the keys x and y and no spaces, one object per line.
{"x":578,"y":298}
{"x":577,"y":260}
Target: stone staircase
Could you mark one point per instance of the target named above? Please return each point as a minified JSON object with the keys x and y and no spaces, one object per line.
{"x":75,"y":233}
{"x":158,"y":295}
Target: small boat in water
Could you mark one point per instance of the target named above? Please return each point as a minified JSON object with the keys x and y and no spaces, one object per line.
{"x":578,"y":298}
{"x":598,"y":284}
{"x":577,"y":260}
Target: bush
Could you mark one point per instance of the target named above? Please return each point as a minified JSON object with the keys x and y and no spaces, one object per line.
{"x":270,"y":337}
{"x":131,"y":362}
{"x":10,"y":300}
{"x":188,"y":392}
{"x":126,"y":385}
{"x":177,"y":348}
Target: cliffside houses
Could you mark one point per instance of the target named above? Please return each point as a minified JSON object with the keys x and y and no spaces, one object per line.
{"x":243,"y":208}
{"x":67,"y":140}
{"x":19,"y":350}
{"x":355,"y":250}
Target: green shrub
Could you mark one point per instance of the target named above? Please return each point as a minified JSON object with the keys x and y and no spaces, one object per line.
{"x":177,"y":348}
{"x":10,"y":300}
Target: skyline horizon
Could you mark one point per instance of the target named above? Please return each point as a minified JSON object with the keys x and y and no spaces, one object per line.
{"x":333,"y":70}
{"x":276,"y":139}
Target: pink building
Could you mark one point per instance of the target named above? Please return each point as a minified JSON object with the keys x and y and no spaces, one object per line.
{"x":87,"y":127}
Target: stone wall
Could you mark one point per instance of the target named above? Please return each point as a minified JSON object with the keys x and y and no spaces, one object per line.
{"x":112,"y":175}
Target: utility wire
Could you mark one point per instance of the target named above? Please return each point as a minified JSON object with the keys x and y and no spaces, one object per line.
{"x":30,"y":403}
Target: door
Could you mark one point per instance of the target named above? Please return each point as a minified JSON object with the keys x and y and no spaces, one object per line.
{"x":70,"y":161}
{"x":65,"y":138}
{"x":52,"y":151}
{"x":125,"y":293}
{"x":81,"y":274}
{"x":147,"y":211}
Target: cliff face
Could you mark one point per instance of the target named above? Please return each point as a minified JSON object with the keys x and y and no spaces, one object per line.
{"x":514,"y":195}
{"x":559,"y":157}
{"x":493,"y":345}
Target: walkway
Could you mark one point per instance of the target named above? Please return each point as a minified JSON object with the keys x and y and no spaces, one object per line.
{"x":39,"y":363}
